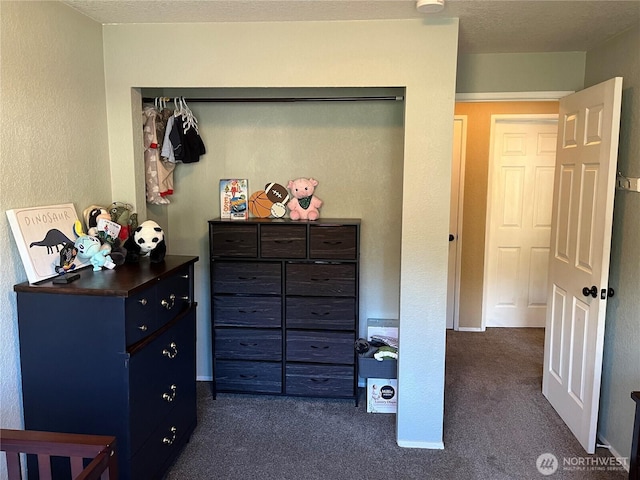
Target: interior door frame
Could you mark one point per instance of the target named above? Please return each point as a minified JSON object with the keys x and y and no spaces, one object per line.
{"x":459,"y":218}
{"x":533,"y":118}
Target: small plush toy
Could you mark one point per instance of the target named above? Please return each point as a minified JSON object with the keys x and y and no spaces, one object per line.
{"x":90,"y":248}
{"x":146,"y":241}
{"x":122,"y":214}
{"x":91,"y":216}
{"x":304,"y":204}
{"x":279,"y":196}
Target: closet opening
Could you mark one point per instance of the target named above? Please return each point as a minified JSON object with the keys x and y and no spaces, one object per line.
{"x":350,"y":139}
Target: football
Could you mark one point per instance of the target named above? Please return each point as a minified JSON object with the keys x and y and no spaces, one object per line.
{"x":277,"y":193}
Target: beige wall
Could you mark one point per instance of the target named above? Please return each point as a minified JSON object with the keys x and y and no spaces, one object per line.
{"x":621,"y":362}
{"x":412,"y":54}
{"x":354,"y":149}
{"x":53,"y":140}
{"x":475,"y":198}
{"x":520,"y":72}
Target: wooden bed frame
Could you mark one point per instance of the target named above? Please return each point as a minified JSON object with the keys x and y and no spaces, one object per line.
{"x":100,"y":449}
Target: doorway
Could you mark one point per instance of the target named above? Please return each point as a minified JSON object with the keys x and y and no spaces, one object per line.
{"x":519,"y":207}
{"x":474,"y":202}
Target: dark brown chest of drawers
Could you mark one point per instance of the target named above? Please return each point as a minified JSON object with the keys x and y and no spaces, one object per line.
{"x":113,"y":353}
{"x":284,"y":301}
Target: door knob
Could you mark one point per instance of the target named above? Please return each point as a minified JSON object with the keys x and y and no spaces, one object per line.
{"x":452,"y":237}
{"x":593,"y":291}
{"x":604,"y":293}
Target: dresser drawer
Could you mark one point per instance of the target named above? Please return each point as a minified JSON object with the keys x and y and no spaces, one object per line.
{"x":173,"y":296}
{"x":165,"y":441}
{"x":321,"y":313}
{"x":283,"y":241}
{"x":247,"y":278}
{"x":141,"y":313}
{"x":263,"y":377}
{"x":248,"y":344}
{"x":234,"y":240}
{"x":321,"y":279}
{"x":320,"y":380}
{"x":259,"y":312}
{"x":160,"y":375}
{"x":320,"y":347}
{"x":150,"y":309}
{"x":333,"y":242}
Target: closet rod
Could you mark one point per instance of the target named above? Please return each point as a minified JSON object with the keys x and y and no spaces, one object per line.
{"x":280,"y":99}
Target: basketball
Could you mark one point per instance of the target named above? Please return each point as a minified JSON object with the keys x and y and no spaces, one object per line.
{"x":260,"y":205}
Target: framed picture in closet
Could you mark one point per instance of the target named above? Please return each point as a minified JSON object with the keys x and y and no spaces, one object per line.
{"x":40,"y":234}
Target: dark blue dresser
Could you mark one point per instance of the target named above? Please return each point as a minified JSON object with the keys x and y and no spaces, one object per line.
{"x":113,"y":353}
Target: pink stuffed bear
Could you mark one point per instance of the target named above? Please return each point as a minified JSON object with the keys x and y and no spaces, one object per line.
{"x":303,"y":204}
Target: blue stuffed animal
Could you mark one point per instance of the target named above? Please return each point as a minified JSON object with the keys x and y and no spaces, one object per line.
{"x":90,"y":248}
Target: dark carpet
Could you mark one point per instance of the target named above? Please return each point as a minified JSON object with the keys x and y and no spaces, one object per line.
{"x":496,"y":425}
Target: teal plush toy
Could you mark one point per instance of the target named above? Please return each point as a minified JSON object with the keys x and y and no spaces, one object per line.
{"x":90,"y":248}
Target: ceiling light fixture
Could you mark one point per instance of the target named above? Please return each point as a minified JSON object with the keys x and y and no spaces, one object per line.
{"x":429,"y":6}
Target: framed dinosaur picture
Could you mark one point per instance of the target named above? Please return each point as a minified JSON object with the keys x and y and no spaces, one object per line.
{"x":40,"y":233}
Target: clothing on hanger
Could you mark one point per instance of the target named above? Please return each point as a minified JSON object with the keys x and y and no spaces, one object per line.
{"x":158,"y":174}
{"x":184,"y":136}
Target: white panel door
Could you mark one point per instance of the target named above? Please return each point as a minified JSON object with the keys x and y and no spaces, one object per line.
{"x":455,"y":219}
{"x":519,"y":220}
{"x":584,"y":189}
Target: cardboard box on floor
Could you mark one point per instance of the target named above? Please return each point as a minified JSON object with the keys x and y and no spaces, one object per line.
{"x":382,"y":395}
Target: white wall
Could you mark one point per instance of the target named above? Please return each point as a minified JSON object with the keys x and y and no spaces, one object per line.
{"x":621,"y":362}
{"x":411,"y":54}
{"x":53,"y":143}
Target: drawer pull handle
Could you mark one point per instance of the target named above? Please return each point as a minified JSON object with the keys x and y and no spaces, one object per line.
{"x":233,"y":240}
{"x":143,"y":328}
{"x":244,"y":311}
{"x":334,"y":242}
{"x":323,"y":314}
{"x":323,"y":347}
{"x":248,"y":377}
{"x":245,"y":344}
{"x":283,"y":241}
{"x":169,"y":441}
{"x":169,"y":305}
{"x":142,"y":301}
{"x":319,"y":380}
{"x":170,"y":397}
{"x":247,"y":278}
{"x":320,"y":279}
{"x":171,"y":353}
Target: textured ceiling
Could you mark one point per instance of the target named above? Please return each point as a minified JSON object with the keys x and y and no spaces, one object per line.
{"x":486,"y":26}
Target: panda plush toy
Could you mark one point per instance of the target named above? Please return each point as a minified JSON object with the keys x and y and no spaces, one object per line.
{"x":146,"y":241}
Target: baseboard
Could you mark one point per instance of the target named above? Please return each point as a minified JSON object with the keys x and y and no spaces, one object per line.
{"x":471,"y":329}
{"x":624,"y":461}
{"x":426,"y":445}
{"x":204,"y":378}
